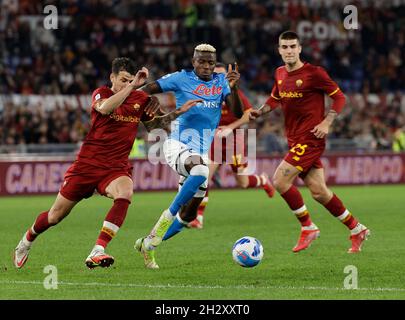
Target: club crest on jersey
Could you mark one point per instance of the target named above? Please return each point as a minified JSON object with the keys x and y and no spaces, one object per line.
{"x":136,"y":106}
{"x":279,"y":82}
{"x":299,"y":83}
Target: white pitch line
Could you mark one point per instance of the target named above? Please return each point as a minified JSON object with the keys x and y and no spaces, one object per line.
{"x":174,"y":286}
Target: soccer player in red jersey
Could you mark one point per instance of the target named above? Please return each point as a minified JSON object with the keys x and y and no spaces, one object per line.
{"x":300,"y":88}
{"x":220,"y":148}
{"x":102,"y":162}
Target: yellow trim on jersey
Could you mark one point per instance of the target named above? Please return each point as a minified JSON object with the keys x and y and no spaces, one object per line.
{"x":275,"y":97}
{"x":330,"y":94}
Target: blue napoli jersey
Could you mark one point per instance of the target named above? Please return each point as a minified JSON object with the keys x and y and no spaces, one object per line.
{"x":196,"y":127}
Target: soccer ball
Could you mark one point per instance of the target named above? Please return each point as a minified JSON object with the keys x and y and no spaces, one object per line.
{"x":247,"y":252}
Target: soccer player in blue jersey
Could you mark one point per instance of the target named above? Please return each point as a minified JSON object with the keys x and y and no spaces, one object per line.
{"x":186,"y":149}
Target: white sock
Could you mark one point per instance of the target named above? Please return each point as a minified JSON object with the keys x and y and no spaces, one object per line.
{"x":25,"y":240}
{"x":97,"y":247}
{"x":358,"y":228}
{"x":312,"y":226}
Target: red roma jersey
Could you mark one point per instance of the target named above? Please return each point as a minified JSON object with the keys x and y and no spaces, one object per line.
{"x":301,"y":95}
{"x":110,"y":139}
{"x":227,"y":116}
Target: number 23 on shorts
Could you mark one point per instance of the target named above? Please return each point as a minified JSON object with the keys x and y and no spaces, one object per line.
{"x":299,"y":150}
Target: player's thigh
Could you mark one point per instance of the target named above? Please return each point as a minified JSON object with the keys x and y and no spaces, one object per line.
{"x":60,"y":209}
{"x":192,"y":160}
{"x":120,"y":187}
{"x":316,"y":183}
{"x":181,"y":158}
{"x":284,"y":176}
{"x":242,"y":179}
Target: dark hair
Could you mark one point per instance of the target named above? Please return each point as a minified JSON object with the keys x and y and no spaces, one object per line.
{"x":220,"y":65}
{"x":289,"y":35}
{"x":123,"y":64}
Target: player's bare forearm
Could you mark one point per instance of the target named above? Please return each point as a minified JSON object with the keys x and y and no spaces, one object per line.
{"x":161,"y":121}
{"x":265,"y":109}
{"x":235,"y":103}
{"x":256,"y":113}
{"x":109,"y":105}
{"x":245,"y":119}
{"x":321,"y":130}
{"x":164,"y":121}
{"x":330,"y":117}
{"x":151,"y":88}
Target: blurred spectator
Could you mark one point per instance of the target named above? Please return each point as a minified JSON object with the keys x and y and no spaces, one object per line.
{"x":76,"y":58}
{"x":29,"y":124}
{"x":398,"y":143}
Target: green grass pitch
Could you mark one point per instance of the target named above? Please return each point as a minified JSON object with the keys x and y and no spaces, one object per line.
{"x":197,"y":264}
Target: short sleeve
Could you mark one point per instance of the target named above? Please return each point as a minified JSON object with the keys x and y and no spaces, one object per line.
{"x":324,"y":82}
{"x":170,"y":81}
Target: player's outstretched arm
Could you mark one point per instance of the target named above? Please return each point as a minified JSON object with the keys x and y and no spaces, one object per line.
{"x":165,"y":120}
{"x":224,"y":131}
{"x":256,"y":113}
{"x":151,"y":88}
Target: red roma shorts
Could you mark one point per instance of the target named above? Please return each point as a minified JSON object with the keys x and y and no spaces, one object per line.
{"x":81,"y":180}
{"x":305,"y":156}
{"x":234,"y":155}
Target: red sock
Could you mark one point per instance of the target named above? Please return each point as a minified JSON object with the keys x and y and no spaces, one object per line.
{"x":41,"y":224}
{"x":296,"y":203}
{"x":113,"y":221}
{"x":254,"y":181}
{"x":337,"y":209}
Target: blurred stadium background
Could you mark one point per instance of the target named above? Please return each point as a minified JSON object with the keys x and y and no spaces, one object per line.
{"x":47,"y":75}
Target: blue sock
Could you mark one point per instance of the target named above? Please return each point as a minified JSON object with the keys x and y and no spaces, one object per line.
{"x":174,"y":228}
{"x":188,"y":190}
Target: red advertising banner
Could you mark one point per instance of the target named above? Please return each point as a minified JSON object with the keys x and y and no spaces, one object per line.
{"x":46,"y":176}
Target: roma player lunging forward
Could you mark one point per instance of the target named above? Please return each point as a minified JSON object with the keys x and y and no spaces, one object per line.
{"x":102,"y":163}
{"x":300,"y":88}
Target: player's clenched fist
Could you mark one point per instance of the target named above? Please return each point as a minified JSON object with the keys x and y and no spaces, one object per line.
{"x":254,"y":114}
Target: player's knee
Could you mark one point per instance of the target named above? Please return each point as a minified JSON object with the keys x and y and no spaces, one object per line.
{"x":200,"y":170}
{"x":193,"y":161}
{"x":125,"y":194}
